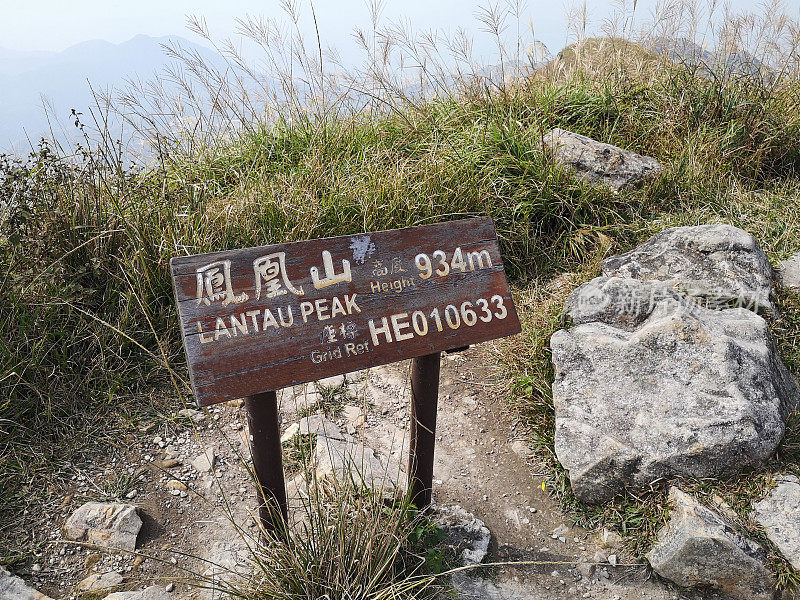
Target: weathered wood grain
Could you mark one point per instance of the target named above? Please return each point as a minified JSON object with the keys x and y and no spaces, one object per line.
{"x":247,"y":328}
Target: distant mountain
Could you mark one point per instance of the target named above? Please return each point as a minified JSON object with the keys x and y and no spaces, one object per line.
{"x":61,"y":79}
{"x":688,"y":52}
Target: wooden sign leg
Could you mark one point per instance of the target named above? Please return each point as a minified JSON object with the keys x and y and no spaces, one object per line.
{"x":424,"y":401}
{"x":265,"y":446}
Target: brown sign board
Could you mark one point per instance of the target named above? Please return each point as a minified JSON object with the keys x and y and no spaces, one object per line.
{"x":265,"y":318}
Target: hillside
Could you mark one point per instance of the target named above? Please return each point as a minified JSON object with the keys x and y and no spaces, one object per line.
{"x":91,"y":362}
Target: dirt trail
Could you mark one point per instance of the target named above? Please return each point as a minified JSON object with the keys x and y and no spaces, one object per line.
{"x":481,"y":464}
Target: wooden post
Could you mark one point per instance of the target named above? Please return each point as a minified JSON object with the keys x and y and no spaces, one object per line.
{"x":424,"y":401}
{"x":265,"y":447}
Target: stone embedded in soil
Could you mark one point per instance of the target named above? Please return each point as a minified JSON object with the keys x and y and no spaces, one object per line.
{"x":290,"y":432}
{"x":339,"y":458}
{"x":353,"y":415}
{"x":190,"y":413}
{"x":105,"y":525}
{"x":204,"y":462}
{"x":788,"y":272}
{"x":466,"y":536}
{"x":335,"y":381}
{"x":320,"y":426}
{"x":154,"y":592}
{"x":721,"y":264}
{"x":779,"y":514}
{"x":14,"y":588}
{"x":698,"y":548}
{"x":599,"y":163}
{"x":98,"y":583}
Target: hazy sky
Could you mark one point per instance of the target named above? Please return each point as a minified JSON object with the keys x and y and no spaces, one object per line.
{"x":57,"y":24}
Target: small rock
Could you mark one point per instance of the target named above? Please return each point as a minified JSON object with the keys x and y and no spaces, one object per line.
{"x":612,"y":560}
{"x":154,"y":592}
{"x":465,"y":534}
{"x":176,"y":485}
{"x":100,"y":583}
{"x":698,"y":548}
{"x":196,"y":416}
{"x":204,"y":462}
{"x":609,"y":539}
{"x":170,"y":587}
{"x":599,"y":163}
{"x":92,"y":560}
{"x":168,"y":463}
{"x":338,"y":459}
{"x":336,"y":381}
{"x":585,"y":568}
{"x":106,"y":525}
{"x":13,"y":588}
{"x":320,"y":426}
{"x":779,"y":514}
{"x":788,"y":272}
{"x":290,"y":432}
{"x":559,"y":531}
{"x":131,"y":495}
{"x":352,"y":414}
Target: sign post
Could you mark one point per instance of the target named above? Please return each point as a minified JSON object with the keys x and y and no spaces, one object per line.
{"x":424,"y":402}
{"x":259,"y":319}
{"x":265,"y":447}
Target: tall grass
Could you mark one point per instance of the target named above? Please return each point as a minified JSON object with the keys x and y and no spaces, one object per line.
{"x":422,"y":133}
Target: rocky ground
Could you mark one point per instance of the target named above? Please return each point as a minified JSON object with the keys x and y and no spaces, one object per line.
{"x":482,"y":463}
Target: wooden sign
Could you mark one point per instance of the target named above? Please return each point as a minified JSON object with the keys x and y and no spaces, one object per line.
{"x":265,"y":318}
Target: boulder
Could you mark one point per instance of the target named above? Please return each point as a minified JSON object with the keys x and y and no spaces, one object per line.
{"x":698,"y":548}
{"x":599,"y":163}
{"x":649,"y":385}
{"x":721,"y":265}
{"x":13,"y":588}
{"x":154,"y":592}
{"x":779,"y":514}
{"x":105,"y":525}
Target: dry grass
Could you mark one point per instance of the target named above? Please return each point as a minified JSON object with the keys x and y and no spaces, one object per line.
{"x":87,"y":323}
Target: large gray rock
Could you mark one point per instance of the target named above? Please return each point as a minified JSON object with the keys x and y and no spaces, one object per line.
{"x":779,"y":514}
{"x":13,"y":588}
{"x":698,"y":548}
{"x":599,"y":163}
{"x":720,"y":264}
{"x":650,"y":385}
{"x":105,"y":525}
